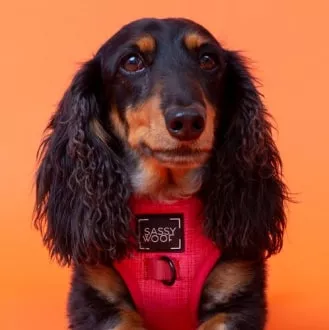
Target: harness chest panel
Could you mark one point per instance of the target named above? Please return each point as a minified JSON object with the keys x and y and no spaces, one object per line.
{"x":166,"y":273}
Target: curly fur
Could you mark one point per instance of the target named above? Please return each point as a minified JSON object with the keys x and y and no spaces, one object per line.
{"x":82,"y":187}
{"x":245,"y":193}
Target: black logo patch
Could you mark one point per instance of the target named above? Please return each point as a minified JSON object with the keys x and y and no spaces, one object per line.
{"x":160,"y":232}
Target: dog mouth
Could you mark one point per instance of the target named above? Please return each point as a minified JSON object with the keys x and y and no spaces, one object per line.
{"x":179,"y":157}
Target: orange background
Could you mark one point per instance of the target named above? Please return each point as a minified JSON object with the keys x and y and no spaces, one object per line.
{"x":41,"y":44}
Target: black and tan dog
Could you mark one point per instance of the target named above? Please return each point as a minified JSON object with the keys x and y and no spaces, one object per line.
{"x":161,"y":111}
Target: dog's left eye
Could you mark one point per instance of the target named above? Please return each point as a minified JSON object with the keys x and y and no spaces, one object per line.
{"x":208,"y":62}
{"x":132,"y":63}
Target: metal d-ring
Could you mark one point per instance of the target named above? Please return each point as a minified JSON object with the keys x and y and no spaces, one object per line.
{"x":172,"y":269}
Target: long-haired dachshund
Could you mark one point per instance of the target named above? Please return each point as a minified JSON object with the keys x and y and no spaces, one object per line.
{"x":161,"y":133}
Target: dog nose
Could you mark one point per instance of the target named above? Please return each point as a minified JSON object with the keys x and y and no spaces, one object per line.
{"x":185,"y":124}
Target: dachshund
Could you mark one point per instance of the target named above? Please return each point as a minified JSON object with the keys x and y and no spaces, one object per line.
{"x":162,"y":112}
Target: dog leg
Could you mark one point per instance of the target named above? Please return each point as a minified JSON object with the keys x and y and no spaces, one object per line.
{"x":234,"y":297}
{"x":99,"y":300}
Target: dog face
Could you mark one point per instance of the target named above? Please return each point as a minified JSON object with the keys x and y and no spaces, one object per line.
{"x":163,"y":111}
{"x":165,"y":76}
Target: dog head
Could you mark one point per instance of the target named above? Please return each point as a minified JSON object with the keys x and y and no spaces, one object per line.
{"x":162,"y":80}
{"x":163,"y":111}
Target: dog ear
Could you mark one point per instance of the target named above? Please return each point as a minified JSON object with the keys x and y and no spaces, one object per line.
{"x":245,"y":194}
{"x":82,"y":189}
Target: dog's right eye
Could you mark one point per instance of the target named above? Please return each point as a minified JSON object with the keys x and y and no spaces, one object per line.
{"x":132,"y":63}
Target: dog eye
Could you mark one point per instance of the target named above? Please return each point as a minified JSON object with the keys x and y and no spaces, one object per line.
{"x":208,"y":62}
{"x":132,"y":63}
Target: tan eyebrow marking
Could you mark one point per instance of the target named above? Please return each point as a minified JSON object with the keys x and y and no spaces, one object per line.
{"x":146,"y":44}
{"x":194,"y":40}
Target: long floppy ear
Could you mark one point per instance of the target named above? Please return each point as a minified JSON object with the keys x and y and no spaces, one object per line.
{"x":244,"y":194}
{"x":81,"y":187}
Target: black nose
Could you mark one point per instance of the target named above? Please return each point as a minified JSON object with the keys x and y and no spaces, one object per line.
{"x":185,"y":123}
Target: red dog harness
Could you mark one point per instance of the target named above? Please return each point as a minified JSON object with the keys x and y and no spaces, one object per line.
{"x":166,"y":273}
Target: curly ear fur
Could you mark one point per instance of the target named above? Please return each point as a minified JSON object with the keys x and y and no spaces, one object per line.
{"x":81,"y":187}
{"x":244,"y":194}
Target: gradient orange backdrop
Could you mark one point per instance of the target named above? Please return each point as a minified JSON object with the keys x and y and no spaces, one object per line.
{"x":41,"y":44}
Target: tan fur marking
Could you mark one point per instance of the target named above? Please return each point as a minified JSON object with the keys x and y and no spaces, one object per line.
{"x":150,"y":177}
{"x":146,"y":44}
{"x":106,"y":281}
{"x":117,"y":123}
{"x":194,"y":40}
{"x":215,"y":323}
{"x":146,"y":123}
{"x":164,"y":184}
{"x":228,"y":278}
{"x":139,"y":123}
{"x":208,"y":134}
{"x":186,"y":182}
{"x":98,"y":130}
{"x":129,"y":320}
